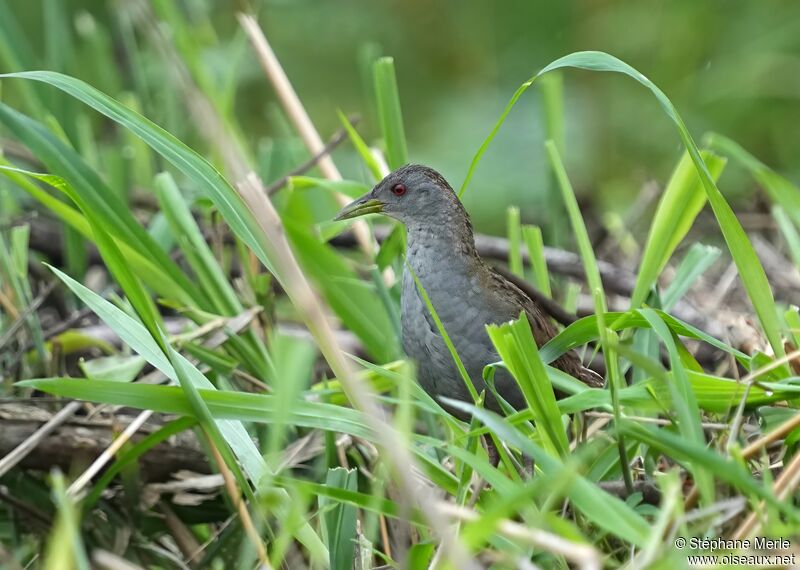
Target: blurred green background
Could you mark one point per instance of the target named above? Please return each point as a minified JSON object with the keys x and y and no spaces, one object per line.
{"x":732,"y":67}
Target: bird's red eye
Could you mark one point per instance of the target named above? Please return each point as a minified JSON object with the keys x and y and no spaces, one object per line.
{"x":399,"y":189}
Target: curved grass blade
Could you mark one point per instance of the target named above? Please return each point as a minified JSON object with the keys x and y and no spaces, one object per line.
{"x":216,"y":187}
{"x":224,"y":405}
{"x":109,"y":211}
{"x":135,"y":335}
{"x":750,"y":269}
{"x":782,"y":191}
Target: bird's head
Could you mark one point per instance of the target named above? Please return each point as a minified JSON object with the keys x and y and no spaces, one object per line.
{"x":412,"y":194}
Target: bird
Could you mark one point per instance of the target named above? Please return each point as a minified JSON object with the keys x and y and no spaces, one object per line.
{"x":466,"y":293}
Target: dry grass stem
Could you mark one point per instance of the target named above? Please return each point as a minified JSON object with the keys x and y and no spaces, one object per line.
{"x":582,"y":555}
{"x":23,"y":449}
{"x":299,"y":117}
{"x":786,"y":483}
{"x":240,"y":506}
{"x":108,"y":454}
{"x":360,"y":393}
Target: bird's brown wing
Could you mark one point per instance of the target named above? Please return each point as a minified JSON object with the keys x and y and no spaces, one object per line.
{"x":543,"y":329}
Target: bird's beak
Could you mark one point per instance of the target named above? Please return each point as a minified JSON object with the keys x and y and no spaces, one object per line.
{"x":364,"y":205}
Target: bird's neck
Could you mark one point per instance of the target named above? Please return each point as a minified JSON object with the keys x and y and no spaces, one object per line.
{"x":443,"y":247}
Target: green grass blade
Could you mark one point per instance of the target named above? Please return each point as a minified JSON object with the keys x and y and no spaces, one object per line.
{"x":578,"y":227}
{"x":696,"y":261}
{"x":181,"y":156}
{"x":111,"y":213}
{"x":515,"y":344}
{"x":16,"y":53}
{"x":682,"y":200}
{"x":750,"y":268}
{"x":514,"y":229}
{"x":532,"y":236}
{"x":782,"y":191}
{"x":684,"y":402}
{"x":154,"y":275}
{"x":340,"y":519}
{"x":615,"y":381}
{"x":361,"y":147}
{"x":14,"y":278}
{"x":390,"y":115}
{"x":194,"y":246}
{"x":445,"y":337}
{"x":135,"y":335}
{"x":790,"y":233}
{"x":65,"y":545}
{"x":607,"y":512}
{"x":553,"y":105}
{"x":585,"y":330}
{"x":224,"y":405}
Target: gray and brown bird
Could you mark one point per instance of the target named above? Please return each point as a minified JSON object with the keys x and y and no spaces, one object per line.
{"x":465,"y":292}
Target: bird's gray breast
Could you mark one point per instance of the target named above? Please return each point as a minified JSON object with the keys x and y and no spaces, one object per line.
{"x":461,"y":303}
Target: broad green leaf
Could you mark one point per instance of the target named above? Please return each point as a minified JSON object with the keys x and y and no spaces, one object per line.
{"x":115,"y":368}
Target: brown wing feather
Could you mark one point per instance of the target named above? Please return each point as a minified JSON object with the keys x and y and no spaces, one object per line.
{"x":544,"y":329}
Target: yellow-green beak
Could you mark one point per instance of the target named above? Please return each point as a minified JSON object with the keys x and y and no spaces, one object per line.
{"x":364,"y":205}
